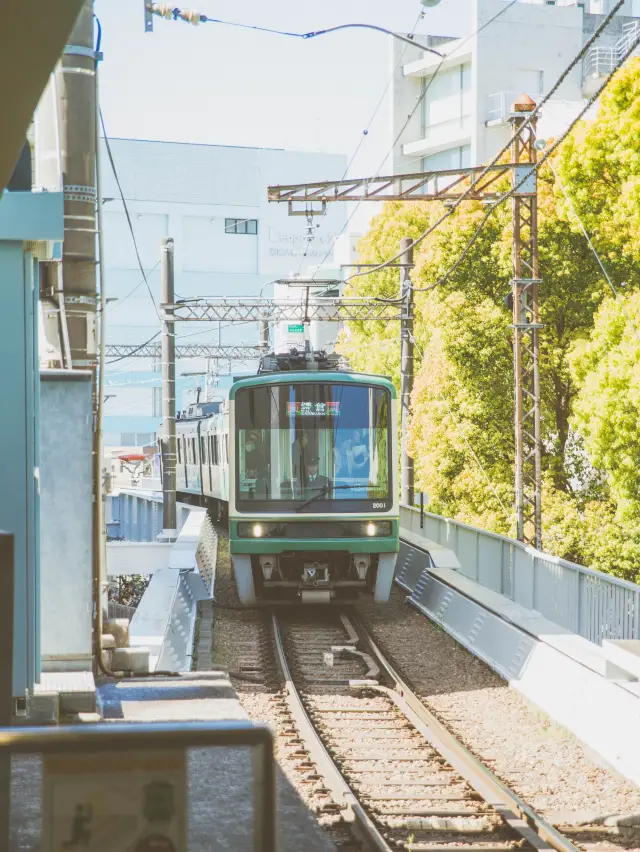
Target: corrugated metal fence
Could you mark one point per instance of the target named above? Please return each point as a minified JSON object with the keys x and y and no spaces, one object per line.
{"x":590,"y":603}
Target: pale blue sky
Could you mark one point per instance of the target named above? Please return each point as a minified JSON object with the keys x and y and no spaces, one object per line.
{"x":220,"y":85}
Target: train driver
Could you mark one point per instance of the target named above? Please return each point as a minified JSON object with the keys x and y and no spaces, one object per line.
{"x":316,"y":483}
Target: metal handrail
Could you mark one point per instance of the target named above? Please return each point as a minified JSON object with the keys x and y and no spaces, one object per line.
{"x":549,"y":557}
{"x":584,"y":600}
{"x":602,"y":59}
{"x":129,"y":738}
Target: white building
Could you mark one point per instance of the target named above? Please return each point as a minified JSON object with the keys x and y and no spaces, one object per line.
{"x":229,"y":241}
{"x":463,"y":117}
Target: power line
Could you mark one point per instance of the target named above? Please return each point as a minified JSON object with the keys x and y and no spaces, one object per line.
{"x":364,"y":134}
{"x":126,"y":210}
{"x":595,"y":253}
{"x":139,"y":284}
{"x":531,"y":171}
{"x":506,"y":147}
{"x":164,"y":10}
{"x":421,"y":97}
{"x":137,"y":349}
{"x":474,"y":455}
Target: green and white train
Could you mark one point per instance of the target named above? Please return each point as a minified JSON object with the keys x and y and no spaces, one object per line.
{"x":302,"y":461}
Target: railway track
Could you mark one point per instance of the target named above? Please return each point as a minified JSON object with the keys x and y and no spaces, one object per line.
{"x":382,"y":763}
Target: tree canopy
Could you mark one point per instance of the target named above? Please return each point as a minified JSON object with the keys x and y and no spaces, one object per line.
{"x":461,"y":430}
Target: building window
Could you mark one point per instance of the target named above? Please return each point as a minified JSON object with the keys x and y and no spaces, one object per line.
{"x":447,"y":99}
{"x":241,"y":226}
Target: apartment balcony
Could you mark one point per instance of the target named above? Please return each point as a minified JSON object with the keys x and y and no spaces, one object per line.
{"x":455,"y":53}
{"x":602,"y":59}
{"x":453,"y":133}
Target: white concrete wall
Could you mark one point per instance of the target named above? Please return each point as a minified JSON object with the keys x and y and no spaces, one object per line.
{"x":525,"y":50}
{"x":65,"y":519}
{"x":187,"y":192}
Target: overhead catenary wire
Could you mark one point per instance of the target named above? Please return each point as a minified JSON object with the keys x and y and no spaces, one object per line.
{"x":126,"y":211}
{"x":137,"y":349}
{"x":607,"y":277}
{"x":165,"y":10}
{"x":525,"y":124}
{"x":460,"y":432}
{"x":138,"y":285}
{"x":543,"y":159}
{"x":419,"y":100}
{"x":363,"y":136}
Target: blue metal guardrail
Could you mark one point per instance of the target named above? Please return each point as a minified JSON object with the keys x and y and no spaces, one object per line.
{"x":588,"y":602}
{"x":168,"y":608}
{"x":137,"y":515}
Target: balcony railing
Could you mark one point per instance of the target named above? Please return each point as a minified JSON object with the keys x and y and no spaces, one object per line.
{"x":602,"y":59}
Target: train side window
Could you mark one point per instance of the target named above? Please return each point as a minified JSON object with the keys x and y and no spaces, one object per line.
{"x":178,"y":450}
{"x":211,"y":455}
{"x":203,"y":449}
{"x":193,"y":451}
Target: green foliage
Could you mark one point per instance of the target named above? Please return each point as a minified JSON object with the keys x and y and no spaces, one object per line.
{"x":607,"y":408}
{"x":600,"y":162}
{"x":461,"y":431}
{"x":130,"y":589}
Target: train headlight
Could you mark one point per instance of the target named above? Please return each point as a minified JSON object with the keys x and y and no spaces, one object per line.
{"x":372,"y":529}
{"x":256,"y":529}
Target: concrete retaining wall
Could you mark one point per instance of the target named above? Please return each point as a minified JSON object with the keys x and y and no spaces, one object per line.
{"x":66,"y":522}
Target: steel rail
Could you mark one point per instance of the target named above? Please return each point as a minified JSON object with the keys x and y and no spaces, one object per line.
{"x":331,"y":775}
{"x":532,"y":827}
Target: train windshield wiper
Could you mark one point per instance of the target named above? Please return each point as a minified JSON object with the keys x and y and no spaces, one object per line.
{"x":323,"y":491}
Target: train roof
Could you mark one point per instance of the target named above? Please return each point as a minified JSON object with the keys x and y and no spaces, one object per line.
{"x":310,"y":377}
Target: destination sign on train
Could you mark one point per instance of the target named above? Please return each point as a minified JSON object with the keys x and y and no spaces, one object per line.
{"x":313,"y":409}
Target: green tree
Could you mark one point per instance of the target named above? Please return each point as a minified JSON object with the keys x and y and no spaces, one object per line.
{"x":464,"y":388}
{"x":600,"y":164}
{"x":461,"y":432}
{"x":606,"y":367}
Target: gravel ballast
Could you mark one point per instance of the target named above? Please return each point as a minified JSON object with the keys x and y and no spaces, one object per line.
{"x":540,"y":760}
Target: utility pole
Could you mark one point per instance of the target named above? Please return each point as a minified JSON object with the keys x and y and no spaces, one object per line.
{"x":406,"y":370}
{"x":526,"y":327}
{"x":169,"y":516}
{"x":66,"y":142}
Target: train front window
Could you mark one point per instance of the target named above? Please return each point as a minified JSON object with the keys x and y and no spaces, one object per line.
{"x":313,"y":445}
